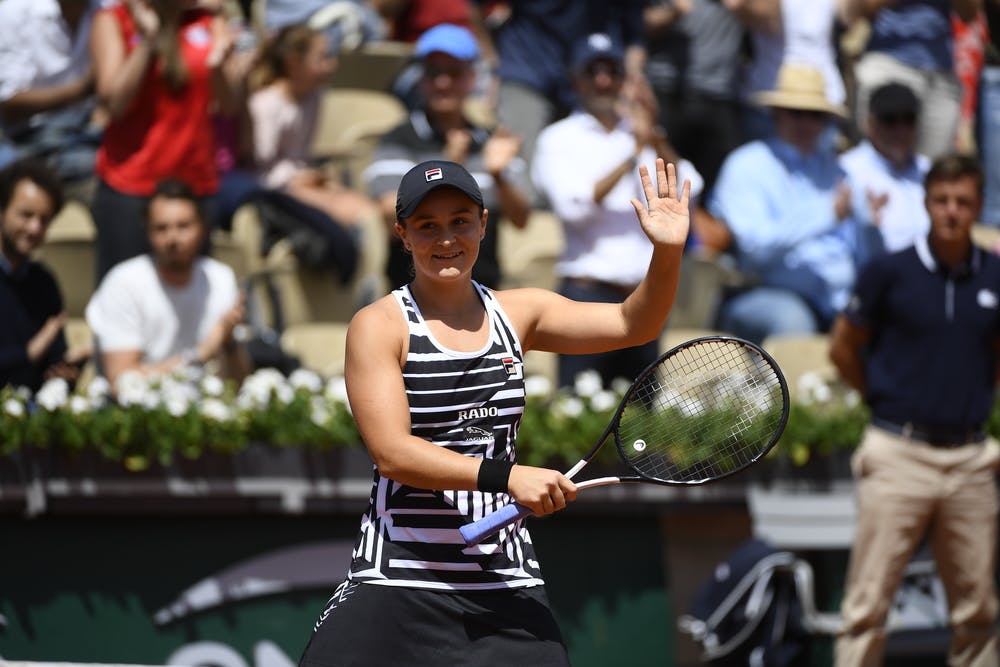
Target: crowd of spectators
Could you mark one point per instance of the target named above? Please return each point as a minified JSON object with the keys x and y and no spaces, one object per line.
{"x":806,"y":145}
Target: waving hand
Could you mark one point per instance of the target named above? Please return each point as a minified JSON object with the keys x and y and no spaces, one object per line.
{"x":666,"y":217}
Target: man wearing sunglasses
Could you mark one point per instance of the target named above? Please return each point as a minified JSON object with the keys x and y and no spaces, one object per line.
{"x":586,"y":167}
{"x":788,"y":213}
{"x":885,"y":173}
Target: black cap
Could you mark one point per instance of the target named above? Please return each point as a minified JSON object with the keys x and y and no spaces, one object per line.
{"x":431,"y":175}
{"x":892,"y":99}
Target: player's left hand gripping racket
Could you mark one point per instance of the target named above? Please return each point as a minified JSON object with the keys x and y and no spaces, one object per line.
{"x":704,"y":410}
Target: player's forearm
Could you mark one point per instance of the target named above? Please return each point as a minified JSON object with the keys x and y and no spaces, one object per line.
{"x":645,"y":310}
{"x":418,"y":463}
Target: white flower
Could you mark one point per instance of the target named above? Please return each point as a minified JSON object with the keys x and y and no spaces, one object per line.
{"x":177,"y":406}
{"x":79,"y":404}
{"x":809,"y":383}
{"x":303,"y":378}
{"x":568,"y":406}
{"x":319,"y":413}
{"x":98,"y":390}
{"x":54,"y":394}
{"x":587,"y":383}
{"x":604,"y":400}
{"x":257,"y":388}
{"x":151,"y":400}
{"x":620,"y":386}
{"x":216,"y":410}
{"x":537,"y":385}
{"x":132,"y":388}
{"x":23,"y":393}
{"x":852,"y":398}
{"x":336,"y":389}
{"x":284,"y":393}
{"x":14,"y":408}
{"x":212,"y":385}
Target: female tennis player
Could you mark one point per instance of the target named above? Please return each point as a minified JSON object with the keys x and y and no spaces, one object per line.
{"x":435,"y":380}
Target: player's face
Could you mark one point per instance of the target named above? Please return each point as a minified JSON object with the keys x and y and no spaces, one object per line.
{"x":25,"y":221}
{"x":954,"y":207}
{"x":444,"y":234}
{"x":176,"y":233}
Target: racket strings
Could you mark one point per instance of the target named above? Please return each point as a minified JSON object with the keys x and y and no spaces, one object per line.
{"x":704,"y":412}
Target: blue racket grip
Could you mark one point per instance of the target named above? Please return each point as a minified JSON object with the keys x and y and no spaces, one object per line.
{"x":477,"y":531}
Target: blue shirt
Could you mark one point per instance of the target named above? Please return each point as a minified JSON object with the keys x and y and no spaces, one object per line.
{"x":779,"y":205}
{"x":932,"y":355}
{"x":917,"y":33}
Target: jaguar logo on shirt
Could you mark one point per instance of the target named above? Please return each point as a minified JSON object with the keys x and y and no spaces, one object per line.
{"x":477,"y":434}
{"x":987,"y":298}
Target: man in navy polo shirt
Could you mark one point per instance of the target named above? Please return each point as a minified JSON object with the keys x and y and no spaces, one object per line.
{"x":919,"y":339}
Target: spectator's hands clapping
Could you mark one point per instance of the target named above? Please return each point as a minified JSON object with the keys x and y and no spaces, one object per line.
{"x":876,"y":202}
{"x":40,"y":343}
{"x":457,"y":143}
{"x":543,"y":490}
{"x":223,"y":43}
{"x":221,"y":335}
{"x":666,"y":216}
{"x":842,"y":201}
{"x":502,"y":147}
{"x":145,"y":17}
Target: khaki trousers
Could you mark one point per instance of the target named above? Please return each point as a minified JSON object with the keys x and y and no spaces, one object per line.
{"x":906,"y":489}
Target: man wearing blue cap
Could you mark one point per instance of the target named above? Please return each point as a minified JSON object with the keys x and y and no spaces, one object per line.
{"x":439,"y":129}
{"x":585,"y":165}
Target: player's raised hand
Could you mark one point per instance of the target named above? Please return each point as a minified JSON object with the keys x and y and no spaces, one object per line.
{"x":666,"y":215}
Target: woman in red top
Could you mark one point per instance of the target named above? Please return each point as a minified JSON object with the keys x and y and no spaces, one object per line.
{"x":158,"y":67}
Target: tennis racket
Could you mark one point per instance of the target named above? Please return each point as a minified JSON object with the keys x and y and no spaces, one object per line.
{"x":707,"y":409}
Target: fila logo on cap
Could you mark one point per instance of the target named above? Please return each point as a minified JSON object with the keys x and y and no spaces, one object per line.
{"x":433,"y":174}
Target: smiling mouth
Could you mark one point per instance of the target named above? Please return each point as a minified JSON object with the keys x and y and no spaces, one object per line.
{"x":448,"y":256}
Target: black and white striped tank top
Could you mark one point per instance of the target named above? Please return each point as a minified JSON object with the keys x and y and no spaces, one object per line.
{"x":471,"y":403}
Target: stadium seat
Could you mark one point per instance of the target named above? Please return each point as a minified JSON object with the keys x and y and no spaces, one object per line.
{"x":798,"y":354}
{"x":68,"y":252}
{"x":351,"y":121}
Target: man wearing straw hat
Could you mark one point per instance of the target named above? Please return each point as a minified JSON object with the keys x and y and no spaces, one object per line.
{"x":788,"y":217}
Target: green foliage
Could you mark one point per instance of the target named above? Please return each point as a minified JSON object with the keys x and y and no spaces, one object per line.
{"x":185,"y":417}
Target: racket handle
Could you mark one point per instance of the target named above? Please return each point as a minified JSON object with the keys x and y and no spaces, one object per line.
{"x":477,"y":531}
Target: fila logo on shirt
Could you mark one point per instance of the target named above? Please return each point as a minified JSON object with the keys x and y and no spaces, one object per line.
{"x":433,"y":174}
{"x":513,"y":368}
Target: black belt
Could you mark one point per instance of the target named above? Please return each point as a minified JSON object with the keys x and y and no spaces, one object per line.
{"x":931,"y":436}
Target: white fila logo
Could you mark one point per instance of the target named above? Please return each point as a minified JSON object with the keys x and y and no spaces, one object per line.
{"x":433,"y":174}
{"x":478,"y":413}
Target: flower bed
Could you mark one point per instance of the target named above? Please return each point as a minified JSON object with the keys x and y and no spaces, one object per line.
{"x":188,"y":415}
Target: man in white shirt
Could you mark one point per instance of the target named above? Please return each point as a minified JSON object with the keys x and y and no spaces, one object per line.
{"x":606,"y":253}
{"x":172,"y":307}
{"x":46,"y":89}
{"x":884,"y":171}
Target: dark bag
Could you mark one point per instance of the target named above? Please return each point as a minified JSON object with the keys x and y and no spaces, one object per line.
{"x":748,"y":612}
{"x":319,"y":243}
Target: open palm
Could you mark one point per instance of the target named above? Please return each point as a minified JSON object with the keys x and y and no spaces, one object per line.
{"x":665,"y":217}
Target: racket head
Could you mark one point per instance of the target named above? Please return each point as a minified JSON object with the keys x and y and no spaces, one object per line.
{"x":704,"y":410}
